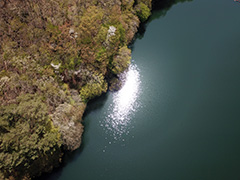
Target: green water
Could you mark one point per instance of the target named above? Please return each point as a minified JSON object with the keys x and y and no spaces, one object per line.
{"x":178,"y":115}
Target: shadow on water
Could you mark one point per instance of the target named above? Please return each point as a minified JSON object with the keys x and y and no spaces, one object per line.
{"x":95,"y":104}
{"x":66,"y":159}
{"x":160,"y":9}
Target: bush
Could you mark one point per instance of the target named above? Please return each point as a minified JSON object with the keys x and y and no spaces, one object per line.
{"x":121,"y":61}
{"x":29,"y":141}
{"x":143,"y":12}
{"x":91,"y":90}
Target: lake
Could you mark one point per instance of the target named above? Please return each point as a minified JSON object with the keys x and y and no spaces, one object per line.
{"x":177,"y":117}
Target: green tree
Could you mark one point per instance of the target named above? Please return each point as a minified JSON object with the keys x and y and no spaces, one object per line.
{"x":143,"y":11}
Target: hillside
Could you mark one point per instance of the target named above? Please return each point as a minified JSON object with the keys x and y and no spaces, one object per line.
{"x":56,"y":55}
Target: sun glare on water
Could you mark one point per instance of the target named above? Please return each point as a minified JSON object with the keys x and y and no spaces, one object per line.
{"x":125,"y":103}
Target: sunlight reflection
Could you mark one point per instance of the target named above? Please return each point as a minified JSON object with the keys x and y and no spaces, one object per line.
{"x":120,"y":112}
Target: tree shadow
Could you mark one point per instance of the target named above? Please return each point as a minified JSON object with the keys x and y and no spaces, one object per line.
{"x":160,"y":9}
{"x":69,"y":157}
{"x":95,"y":104}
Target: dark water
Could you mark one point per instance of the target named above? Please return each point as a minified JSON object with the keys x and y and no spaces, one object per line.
{"x":178,"y":115}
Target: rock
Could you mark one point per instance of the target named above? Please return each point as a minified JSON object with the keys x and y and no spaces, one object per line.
{"x":56,"y":66}
{"x":115,"y":84}
{"x":111,"y":31}
{"x":3,"y":81}
{"x":71,"y":31}
{"x":75,"y":35}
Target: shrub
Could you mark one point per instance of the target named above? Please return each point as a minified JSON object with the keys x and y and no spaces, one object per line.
{"x":143,"y":12}
{"x":91,"y":90}
{"x":29,"y":141}
{"x":121,"y":61}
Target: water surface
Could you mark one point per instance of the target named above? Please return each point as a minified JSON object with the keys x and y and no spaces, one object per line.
{"x":177,"y":116}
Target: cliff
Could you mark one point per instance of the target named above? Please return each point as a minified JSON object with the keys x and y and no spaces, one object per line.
{"x":56,"y":55}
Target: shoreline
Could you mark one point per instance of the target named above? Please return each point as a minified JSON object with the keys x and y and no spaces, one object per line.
{"x":54,"y":59}
{"x":51,"y":66}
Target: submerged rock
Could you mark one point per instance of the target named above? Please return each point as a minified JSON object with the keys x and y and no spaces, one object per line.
{"x":115,"y":84}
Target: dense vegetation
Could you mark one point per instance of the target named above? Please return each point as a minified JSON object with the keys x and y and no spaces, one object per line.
{"x":56,"y":55}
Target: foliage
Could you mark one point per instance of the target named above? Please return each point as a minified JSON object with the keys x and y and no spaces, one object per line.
{"x":27,"y":137}
{"x":127,"y":4}
{"x":67,"y":118}
{"x":148,"y":3}
{"x":93,"y":88}
{"x":143,"y":11}
{"x":37,"y":101}
{"x":90,"y":24}
{"x":121,"y":61}
{"x":101,"y":54}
